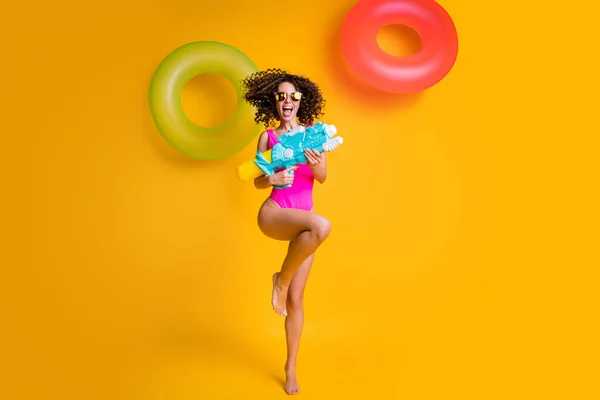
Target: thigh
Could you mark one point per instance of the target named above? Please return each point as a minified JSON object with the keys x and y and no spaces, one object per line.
{"x":284,"y":223}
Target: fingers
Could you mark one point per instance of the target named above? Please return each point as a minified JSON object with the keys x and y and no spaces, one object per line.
{"x":284,"y":177}
{"x":309,"y":157}
{"x":312,"y":156}
{"x":287,"y":179}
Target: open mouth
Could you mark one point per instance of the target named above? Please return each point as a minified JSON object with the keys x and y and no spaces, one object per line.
{"x":287,"y":111}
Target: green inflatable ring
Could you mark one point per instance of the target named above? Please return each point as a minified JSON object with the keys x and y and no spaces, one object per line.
{"x":167,"y":84}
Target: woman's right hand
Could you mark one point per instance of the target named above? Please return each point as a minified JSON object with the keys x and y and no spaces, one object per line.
{"x":283,"y":177}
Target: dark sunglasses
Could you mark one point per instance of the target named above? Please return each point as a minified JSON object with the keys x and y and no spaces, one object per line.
{"x":281,"y":96}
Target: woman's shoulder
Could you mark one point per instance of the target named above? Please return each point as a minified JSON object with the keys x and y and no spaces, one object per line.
{"x":264,"y":134}
{"x":264,"y":140}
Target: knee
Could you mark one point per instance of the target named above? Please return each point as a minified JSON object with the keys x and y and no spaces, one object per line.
{"x":321,"y":228}
{"x":294,"y":302}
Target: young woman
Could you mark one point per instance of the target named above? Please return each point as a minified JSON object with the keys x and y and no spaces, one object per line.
{"x":288,"y":213}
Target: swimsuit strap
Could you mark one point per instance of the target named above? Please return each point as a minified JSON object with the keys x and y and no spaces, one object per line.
{"x":272,"y":138}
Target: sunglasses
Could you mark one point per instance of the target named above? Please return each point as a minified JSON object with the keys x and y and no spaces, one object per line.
{"x":281,"y":96}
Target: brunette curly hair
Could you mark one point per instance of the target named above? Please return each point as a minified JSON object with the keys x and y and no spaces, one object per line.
{"x":259,"y":88}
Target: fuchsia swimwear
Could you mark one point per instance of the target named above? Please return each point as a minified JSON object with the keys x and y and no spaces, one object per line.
{"x":300,"y":194}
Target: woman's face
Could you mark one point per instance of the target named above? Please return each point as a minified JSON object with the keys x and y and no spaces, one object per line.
{"x":287,"y":100}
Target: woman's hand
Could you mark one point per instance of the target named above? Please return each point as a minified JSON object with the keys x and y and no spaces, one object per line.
{"x":313,"y":157}
{"x":283,"y":177}
{"x":317,"y":163}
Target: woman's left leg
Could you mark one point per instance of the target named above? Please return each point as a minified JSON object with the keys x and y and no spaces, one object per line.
{"x":294,"y":323}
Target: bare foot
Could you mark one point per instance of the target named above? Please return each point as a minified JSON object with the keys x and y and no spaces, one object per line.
{"x":291,"y":383}
{"x":279,"y":296}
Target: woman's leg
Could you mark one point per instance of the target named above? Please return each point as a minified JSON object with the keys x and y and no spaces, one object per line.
{"x":305,"y":230}
{"x":294,"y":323}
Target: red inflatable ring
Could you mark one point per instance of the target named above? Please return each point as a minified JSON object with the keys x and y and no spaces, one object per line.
{"x":439,"y":44}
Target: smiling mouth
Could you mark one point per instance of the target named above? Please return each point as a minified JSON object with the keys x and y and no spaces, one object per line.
{"x":287,"y":110}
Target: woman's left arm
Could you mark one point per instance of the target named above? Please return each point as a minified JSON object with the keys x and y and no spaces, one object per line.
{"x":318,"y":164}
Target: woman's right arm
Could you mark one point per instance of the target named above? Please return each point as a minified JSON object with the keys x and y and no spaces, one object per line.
{"x":264,"y":181}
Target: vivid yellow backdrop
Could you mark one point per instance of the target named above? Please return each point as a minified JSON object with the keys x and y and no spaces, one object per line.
{"x":133,"y":272}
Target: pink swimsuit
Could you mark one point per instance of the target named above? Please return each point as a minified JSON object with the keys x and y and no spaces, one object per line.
{"x":300,"y":194}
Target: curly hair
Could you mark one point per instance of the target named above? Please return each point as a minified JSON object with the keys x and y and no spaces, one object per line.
{"x":259,"y":88}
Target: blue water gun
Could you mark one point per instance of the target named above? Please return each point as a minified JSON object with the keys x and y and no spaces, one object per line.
{"x":290,"y":150}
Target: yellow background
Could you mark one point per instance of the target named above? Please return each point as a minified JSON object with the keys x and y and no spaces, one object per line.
{"x":133,"y":272}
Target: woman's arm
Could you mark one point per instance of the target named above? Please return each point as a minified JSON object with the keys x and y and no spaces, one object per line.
{"x":318,"y":164}
{"x":264,"y":181}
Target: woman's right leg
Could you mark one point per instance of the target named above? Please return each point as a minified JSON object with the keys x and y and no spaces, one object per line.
{"x":305,"y":230}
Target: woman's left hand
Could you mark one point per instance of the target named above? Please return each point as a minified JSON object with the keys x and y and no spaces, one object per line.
{"x":317,"y":163}
{"x":313,"y":157}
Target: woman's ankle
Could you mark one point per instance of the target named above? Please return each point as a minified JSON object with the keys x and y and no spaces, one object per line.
{"x":290,"y":366}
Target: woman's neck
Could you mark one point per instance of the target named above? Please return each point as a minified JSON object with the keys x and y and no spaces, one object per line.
{"x":287,"y":126}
